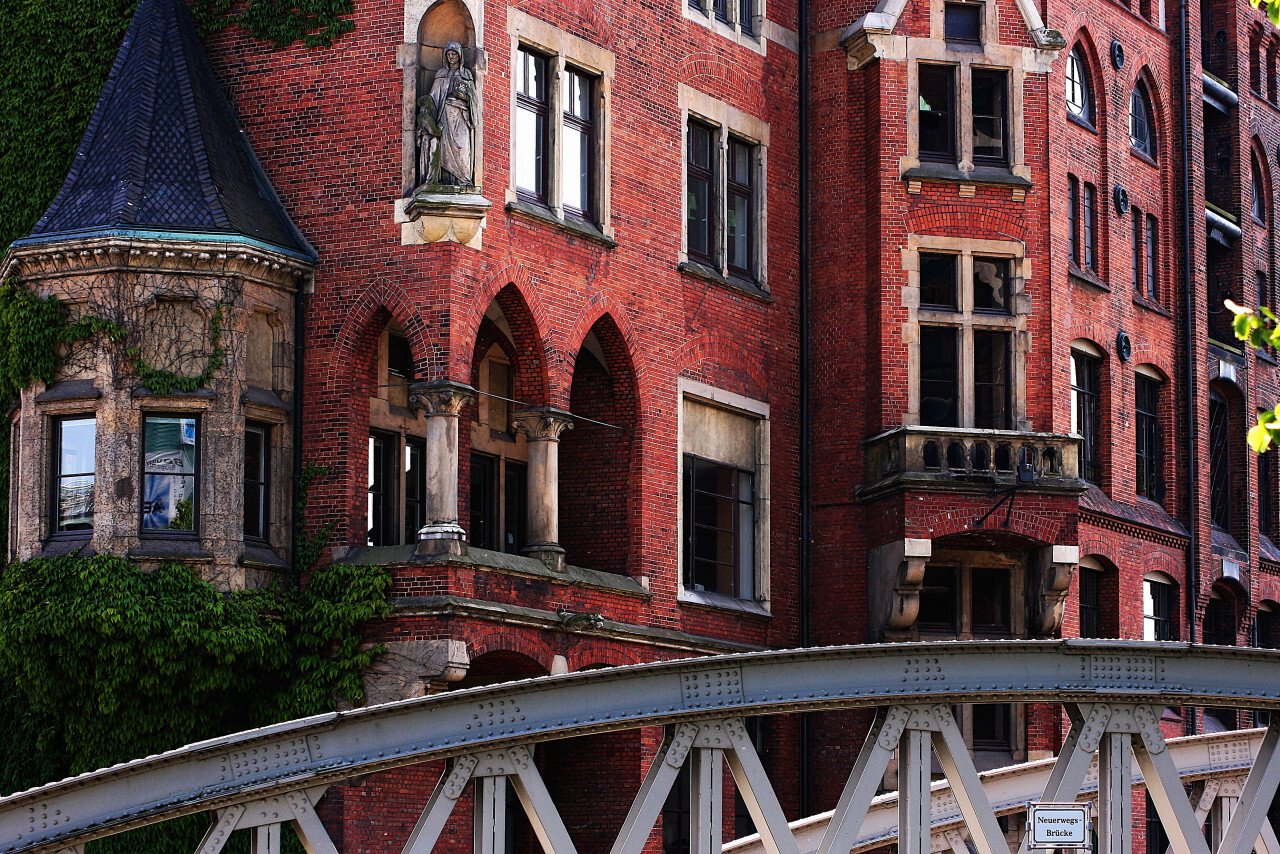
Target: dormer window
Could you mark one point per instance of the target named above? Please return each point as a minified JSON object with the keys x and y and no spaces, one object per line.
{"x":963,"y":22}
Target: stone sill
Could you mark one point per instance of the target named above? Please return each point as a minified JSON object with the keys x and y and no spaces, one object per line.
{"x":979,"y":175}
{"x":69,"y":390}
{"x":58,"y":546}
{"x":198,"y":394}
{"x":1151,"y":305}
{"x":572,"y":226}
{"x":1087,"y":277}
{"x":507,"y":564}
{"x":721,"y":602}
{"x":700,"y":271}
{"x":170,"y":549}
{"x":459,"y":606}
{"x":261,"y":556}
{"x":262,"y":397}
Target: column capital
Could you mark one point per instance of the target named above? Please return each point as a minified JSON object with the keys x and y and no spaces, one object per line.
{"x":543,"y":423}
{"x":443,"y":397}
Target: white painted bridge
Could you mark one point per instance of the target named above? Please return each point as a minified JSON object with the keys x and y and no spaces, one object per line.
{"x":1113,"y":694}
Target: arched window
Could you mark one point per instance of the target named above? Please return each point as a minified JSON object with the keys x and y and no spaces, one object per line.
{"x":1259,"y":191}
{"x":1079,"y":98}
{"x":1142,"y":132}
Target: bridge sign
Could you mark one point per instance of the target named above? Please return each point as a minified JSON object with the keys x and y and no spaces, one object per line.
{"x":1058,"y":826}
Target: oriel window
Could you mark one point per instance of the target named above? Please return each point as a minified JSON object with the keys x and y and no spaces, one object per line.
{"x":75,"y":454}
{"x":169,"y":466}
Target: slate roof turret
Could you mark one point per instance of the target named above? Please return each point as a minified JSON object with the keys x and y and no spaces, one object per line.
{"x":164,"y":155}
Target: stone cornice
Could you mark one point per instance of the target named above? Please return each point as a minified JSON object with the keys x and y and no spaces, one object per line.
{"x":107,"y":254}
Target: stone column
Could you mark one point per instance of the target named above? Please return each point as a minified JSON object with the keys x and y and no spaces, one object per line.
{"x":542,"y":427}
{"x":441,"y":402}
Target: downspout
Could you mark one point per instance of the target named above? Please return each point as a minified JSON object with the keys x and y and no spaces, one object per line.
{"x":295,"y":534}
{"x":803,"y":264}
{"x":1189,"y":366}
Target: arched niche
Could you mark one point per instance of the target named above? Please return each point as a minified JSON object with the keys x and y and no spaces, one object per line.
{"x":446,"y":21}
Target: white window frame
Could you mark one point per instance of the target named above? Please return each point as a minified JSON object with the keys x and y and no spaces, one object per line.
{"x":757,"y":411}
{"x":965,"y":320}
{"x":727,"y":122}
{"x":563,"y":50}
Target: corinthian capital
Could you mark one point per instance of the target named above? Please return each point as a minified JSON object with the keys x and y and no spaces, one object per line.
{"x":543,"y":423}
{"x":443,"y":397}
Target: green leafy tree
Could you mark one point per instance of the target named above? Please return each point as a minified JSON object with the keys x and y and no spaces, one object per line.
{"x":1259,"y":328}
{"x":1271,"y":7}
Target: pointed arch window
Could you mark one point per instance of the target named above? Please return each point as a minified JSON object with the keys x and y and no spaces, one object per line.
{"x":1079,"y":98}
{"x":1142,"y":132}
{"x":1259,"y":191}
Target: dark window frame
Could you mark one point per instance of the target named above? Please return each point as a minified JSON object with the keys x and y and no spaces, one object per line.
{"x":381,"y":516}
{"x":1164,"y":609}
{"x":414,"y":492}
{"x":1152,"y":257}
{"x":539,"y":105}
{"x":950,"y":33}
{"x":1142,"y":132}
{"x":57,"y":475}
{"x":734,"y":189}
{"x":261,"y":485}
{"x":1077,"y":60}
{"x":1138,"y":224}
{"x":692,"y":524}
{"x":1220,"y":460}
{"x":1148,"y":450}
{"x":1073,"y":221}
{"x":1090,"y":602}
{"x":702,"y":173}
{"x":589,"y":130}
{"x":1086,"y":393}
{"x":938,"y":155}
{"x":1089,"y":225}
{"x":1002,"y":118}
{"x":1257,"y":190}
{"x":171,"y":533}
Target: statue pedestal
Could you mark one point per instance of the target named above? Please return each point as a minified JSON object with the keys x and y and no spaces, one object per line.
{"x":436,"y":214}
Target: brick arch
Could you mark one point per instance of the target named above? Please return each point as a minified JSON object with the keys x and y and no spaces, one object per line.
{"x":594,"y":653}
{"x":1029,"y":525}
{"x":731,"y":366}
{"x":506,"y":641}
{"x":1159,"y":359}
{"x":380,"y":295}
{"x":515,"y":278}
{"x":709,"y":73}
{"x":596,"y":307}
{"x":973,"y":221}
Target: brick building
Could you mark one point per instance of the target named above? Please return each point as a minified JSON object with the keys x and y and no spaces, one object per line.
{"x":634,"y":331}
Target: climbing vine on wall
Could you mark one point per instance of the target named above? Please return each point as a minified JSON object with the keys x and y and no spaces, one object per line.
{"x":280,"y":23}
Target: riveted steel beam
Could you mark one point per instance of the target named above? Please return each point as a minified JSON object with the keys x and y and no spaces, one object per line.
{"x":314,"y":751}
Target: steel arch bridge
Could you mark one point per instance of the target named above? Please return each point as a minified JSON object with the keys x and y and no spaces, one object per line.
{"x":1113,"y":694}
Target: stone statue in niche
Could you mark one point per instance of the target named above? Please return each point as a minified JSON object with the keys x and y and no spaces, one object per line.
{"x":447,"y":119}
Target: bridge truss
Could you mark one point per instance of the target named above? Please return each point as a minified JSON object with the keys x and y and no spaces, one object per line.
{"x":1113,"y":694}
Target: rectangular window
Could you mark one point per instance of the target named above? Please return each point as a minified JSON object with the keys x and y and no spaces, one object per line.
{"x":1153,"y":253}
{"x":531,"y":125}
{"x":938,"y":275}
{"x":1073,"y":219}
{"x":1219,"y":461}
{"x":990,"y":116}
{"x":169,"y":466}
{"x":699,"y":178}
{"x":380,"y":515}
{"x":962,"y":22}
{"x":939,"y":377}
{"x":1147,"y":438}
{"x":1266,"y":491}
{"x":993,"y":726}
{"x":499,"y":502}
{"x":740,"y":240}
{"x":1157,"y":603}
{"x":1090,"y":611}
{"x":991,"y":285}
{"x":991,"y":593}
{"x":719,"y":504}
{"x":73,"y":482}
{"x":992,"y":381}
{"x":415,"y":489}
{"x":1085,"y":386}
{"x":938,"y":600}
{"x":746,"y":16}
{"x":1139,"y":239}
{"x":515,"y":506}
{"x":483,"y":531}
{"x":937,"y":112}
{"x":721,"y":10}
{"x":1089,"y":225}
{"x":255,"y":481}
{"x":578,"y":165}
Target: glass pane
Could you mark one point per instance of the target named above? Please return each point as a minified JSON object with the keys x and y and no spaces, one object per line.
{"x":529,"y":137}
{"x":579,"y":104}
{"x":532,"y":76}
{"x":75,"y":503}
{"x":963,"y":22}
{"x":938,"y":280}
{"x":254,"y":485}
{"x":739,"y":230}
{"x":77,"y":441}
{"x":988,"y":113}
{"x":745,"y":16}
{"x":936,"y":106}
{"x":991,"y":380}
{"x":939,"y":380}
{"x":1077,"y":90}
{"x":699,"y":216}
{"x":574,"y":183}
{"x":989,"y":597}
{"x":700,"y":145}
{"x":938,"y":598}
{"x":169,"y":464}
{"x":991,"y":284}
{"x":739,"y":162}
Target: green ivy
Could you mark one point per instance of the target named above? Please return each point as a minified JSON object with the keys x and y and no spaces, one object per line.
{"x":314,"y":23}
{"x":166,"y":382}
{"x":309,"y":545}
{"x":114,"y":663}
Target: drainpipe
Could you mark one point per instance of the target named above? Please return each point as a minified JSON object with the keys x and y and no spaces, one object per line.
{"x":1189,"y":367}
{"x":295,"y":534}
{"x":804,"y":381}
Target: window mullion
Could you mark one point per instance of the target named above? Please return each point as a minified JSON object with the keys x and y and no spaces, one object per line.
{"x":556,"y":99}
{"x":721,"y":183}
{"x":962,"y":125}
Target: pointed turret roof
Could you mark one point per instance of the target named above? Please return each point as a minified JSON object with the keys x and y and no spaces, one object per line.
{"x":164,"y":155}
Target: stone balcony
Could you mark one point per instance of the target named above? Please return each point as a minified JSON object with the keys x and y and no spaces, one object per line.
{"x":956,"y":458}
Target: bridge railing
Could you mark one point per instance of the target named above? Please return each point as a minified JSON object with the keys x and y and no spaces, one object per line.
{"x":1113,"y":694}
